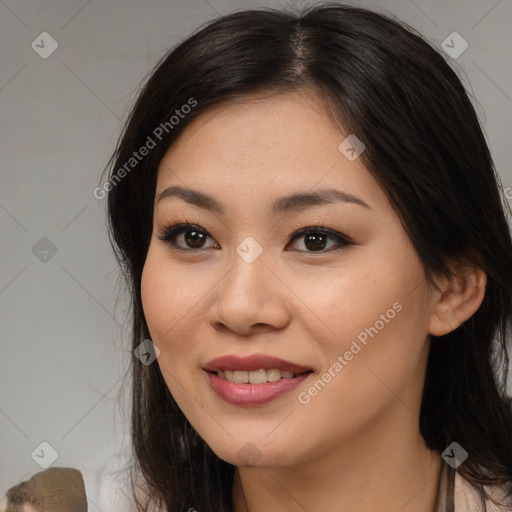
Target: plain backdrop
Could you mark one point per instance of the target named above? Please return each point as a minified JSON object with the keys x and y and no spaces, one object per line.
{"x":64,"y":347}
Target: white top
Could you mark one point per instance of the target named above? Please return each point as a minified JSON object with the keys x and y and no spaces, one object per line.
{"x":467,"y":499}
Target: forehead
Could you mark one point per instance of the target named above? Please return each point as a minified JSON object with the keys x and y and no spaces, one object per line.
{"x":272,"y":144}
{"x":272,"y":122}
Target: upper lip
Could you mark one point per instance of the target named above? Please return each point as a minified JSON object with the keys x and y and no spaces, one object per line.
{"x":253,"y":362}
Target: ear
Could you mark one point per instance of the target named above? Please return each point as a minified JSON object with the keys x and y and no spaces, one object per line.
{"x":458,"y":298}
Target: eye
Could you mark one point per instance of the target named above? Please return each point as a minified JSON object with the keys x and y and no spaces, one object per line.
{"x":316,"y":239}
{"x":191,"y":237}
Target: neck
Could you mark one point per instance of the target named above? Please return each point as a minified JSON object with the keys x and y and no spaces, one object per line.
{"x":391,"y":471}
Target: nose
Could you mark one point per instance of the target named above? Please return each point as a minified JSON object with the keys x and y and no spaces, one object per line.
{"x":250,"y":299}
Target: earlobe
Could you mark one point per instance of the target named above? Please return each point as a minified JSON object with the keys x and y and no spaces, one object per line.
{"x":459,"y":298}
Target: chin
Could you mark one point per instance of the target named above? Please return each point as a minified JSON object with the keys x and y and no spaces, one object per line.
{"x":257,"y":453}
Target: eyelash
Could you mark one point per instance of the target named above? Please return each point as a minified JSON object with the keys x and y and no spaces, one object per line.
{"x":169,"y":232}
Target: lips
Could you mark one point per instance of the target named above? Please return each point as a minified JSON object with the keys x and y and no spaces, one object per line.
{"x":252,"y":363}
{"x":250,"y":395}
{"x":253,"y":394}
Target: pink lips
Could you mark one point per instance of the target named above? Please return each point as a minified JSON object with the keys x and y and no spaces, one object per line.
{"x":253,"y":394}
{"x":254,"y":362}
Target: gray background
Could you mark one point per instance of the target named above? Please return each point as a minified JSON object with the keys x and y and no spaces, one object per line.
{"x":64,"y":351}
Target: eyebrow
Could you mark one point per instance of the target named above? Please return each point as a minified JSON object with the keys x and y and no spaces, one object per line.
{"x":292,"y":203}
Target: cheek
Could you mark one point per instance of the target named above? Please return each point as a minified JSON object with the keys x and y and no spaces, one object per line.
{"x":370,"y":297}
{"x":172,"y":303}
{"x":165,"y":307}
{"x":374,"y":365}
{"x":384,"y":361}
{"x":378,"y":321}
{"x":157,"y":301}
{"x":168,"y":296}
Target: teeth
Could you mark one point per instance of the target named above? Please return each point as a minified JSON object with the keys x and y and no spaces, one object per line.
{"x":273,"y":375}
{"x":241,"y":377}
{"x":256,"y":376}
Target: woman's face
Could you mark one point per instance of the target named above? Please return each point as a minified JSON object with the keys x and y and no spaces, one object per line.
{"x":241,"y":281}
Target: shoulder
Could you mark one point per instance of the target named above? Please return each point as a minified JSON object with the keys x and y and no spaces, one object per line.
{"x":467,"y":498}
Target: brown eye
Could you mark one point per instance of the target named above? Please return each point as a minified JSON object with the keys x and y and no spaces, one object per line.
{"x":316,"y":239}
{"x":186,"y":237}
{"x":194,"y":238}
{"x":315,"y":242}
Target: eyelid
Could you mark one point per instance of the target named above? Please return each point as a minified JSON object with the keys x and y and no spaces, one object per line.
{"x":319,"y":228}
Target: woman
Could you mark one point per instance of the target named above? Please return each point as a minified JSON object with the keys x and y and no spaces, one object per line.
{"x":314,"y":237}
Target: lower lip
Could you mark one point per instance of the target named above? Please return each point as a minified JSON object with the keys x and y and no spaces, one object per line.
{"x":253,"y":394}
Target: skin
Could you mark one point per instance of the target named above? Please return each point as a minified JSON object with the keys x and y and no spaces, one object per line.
{"x":356,"y":445}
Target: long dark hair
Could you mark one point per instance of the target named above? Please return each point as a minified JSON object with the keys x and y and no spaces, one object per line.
{"x":378,"y":79}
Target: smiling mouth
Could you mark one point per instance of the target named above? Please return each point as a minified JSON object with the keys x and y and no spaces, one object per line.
{"x":260,"y":376}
